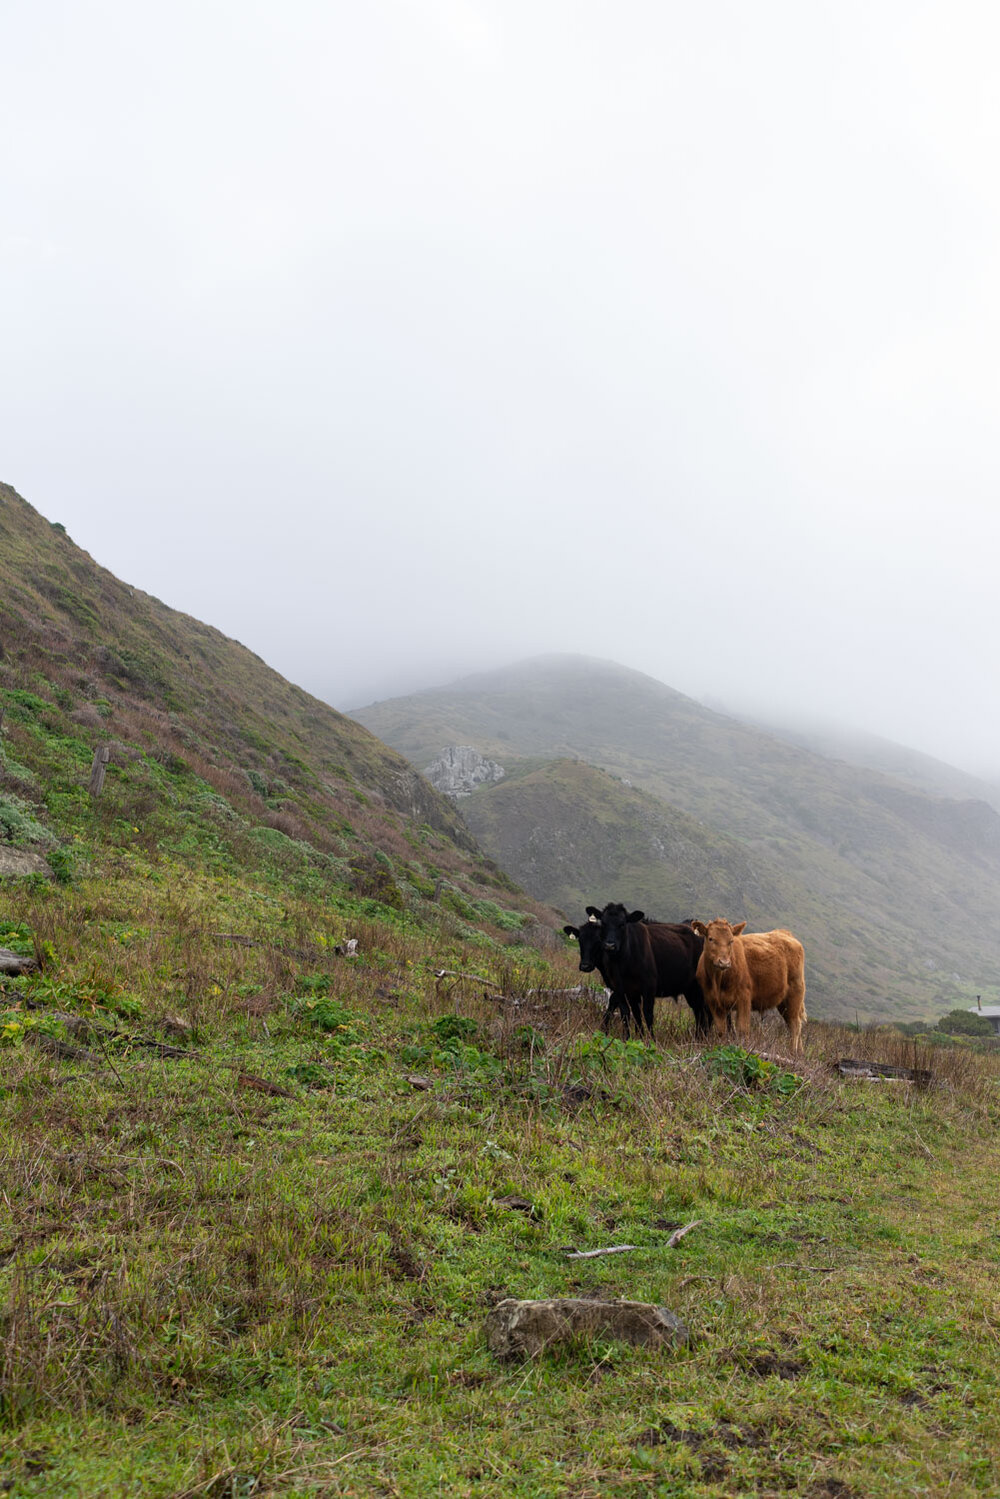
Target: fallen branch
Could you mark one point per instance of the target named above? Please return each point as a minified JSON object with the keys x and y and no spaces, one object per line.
{"x":573,"y":993}
{"x":809,"y":1269}
{"x":64,"y":1050}
{"x":592,"y":1254}
{"x":680,"y":1233}
{"x":882,"y":1072}
{"x":774,"y":1056}
{"x":15,"y":963}
{"x":446,"y":973}
{"x":259,"y":1084}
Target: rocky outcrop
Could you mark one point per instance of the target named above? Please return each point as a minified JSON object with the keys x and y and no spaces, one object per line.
{"x":21,"y":861}
{"x":523,"y":1329}
{"x":459,"y":769}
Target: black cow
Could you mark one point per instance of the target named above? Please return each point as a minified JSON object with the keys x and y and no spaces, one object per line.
{"x":675,"y":948}
{"x":629,"y":966}
{"x":592,"y":956}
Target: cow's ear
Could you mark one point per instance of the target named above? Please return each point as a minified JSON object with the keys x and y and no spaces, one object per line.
{"x":699,"y":927}
{"x":571,"y":931}
{"x":635,"y":916}
{"x":738,"y":928}
{"x":593,"y":913}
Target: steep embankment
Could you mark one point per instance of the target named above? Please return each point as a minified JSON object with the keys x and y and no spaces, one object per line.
{"x":896,"y":893}
{"x":213,"y":756}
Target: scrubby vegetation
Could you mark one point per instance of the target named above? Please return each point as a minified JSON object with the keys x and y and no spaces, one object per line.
{"x":255,"y":1257}
{"x":259,"y":1185}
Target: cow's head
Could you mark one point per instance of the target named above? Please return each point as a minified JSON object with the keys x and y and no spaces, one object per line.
{"x":615,"y":921}
{"x":718,"y":937}
{"x":589,"y":937}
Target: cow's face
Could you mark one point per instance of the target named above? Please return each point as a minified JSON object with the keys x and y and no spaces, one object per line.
{"x":719,"y":937}
{"x":589,"y":938}
{"x":615,"y":921}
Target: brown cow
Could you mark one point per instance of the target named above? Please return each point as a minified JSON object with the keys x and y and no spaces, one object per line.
{"x":759,"y":971}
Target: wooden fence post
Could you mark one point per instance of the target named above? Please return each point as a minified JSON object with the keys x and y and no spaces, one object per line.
{"x":101,"y":756}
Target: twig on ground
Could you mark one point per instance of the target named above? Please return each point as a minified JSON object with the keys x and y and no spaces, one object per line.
{"x":104,"y":1049}
{"x":679,"y":1233}
{"x":809,"y":1269}
{"x":445,"y":973}
{"x":592,"y":1254}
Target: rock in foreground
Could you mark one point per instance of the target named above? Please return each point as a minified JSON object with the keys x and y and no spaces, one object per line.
{"x":519,"y":1329}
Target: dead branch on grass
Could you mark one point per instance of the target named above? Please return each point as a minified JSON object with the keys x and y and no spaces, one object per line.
{"x":593,"y":1254}
{"x":14,"y":963}
{"x":680,"y":1233}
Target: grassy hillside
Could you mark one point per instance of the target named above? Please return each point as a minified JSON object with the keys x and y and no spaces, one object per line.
{"x":576,"y":833}
{"x":213,"y":755}
{"x":260,"y":1262}
{"x":895,"y":893}
{"x":258,"y":1191}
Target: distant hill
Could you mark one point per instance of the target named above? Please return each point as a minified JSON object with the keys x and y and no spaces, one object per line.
{"x":872,"y":752}
{"x":212,"y":754}
{"x":571,"y":833}
{"x":896,"y":892}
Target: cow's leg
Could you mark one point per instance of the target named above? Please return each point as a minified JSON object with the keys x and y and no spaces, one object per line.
{"x":793,"y":1012}
{"x":617,"y":1005}
{"x":743,"y":1014}
{"x":698,"y":1008}
{"x":648,"y":1013}
{"x":635,"y":1005}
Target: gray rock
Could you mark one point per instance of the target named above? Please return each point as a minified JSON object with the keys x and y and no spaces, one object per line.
{"x":21,"y":861}
{"x":459,"y":769}
{"x":520,"y":1329}
{"x":14,"y":963}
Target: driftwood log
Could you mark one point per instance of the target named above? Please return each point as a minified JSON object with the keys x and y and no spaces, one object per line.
{"x":13,"y":963}
{"x":883,"y":1072}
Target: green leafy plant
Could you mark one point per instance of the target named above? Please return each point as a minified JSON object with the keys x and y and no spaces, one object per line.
{"x":751,"y":1072}
{"x":328,"y":1014}
{"x":60,"y":861}
{"x":310,"y":1074}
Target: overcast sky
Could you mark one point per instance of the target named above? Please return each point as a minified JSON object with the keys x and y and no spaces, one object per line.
{"x":404,"y":338}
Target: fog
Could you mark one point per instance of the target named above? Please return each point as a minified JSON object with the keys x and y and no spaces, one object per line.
{"x":404,"y":339}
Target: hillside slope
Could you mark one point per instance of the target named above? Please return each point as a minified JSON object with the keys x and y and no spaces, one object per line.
{"x":896,"y":893}
{"x":574,"y":832}
{"x":872,"y":752}
{"x":213,"y":755}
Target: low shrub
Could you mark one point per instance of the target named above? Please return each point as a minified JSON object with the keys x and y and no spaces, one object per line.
{"x":751,"y":1072}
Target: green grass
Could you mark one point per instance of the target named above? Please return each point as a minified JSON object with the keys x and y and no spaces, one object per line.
{"x":260,"y":1262}
{"x":207,"y":1290}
